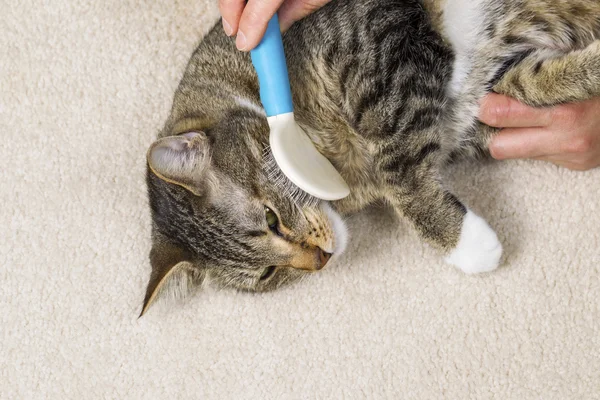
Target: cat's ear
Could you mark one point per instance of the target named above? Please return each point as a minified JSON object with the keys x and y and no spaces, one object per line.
{"x":173,"y":274}
{"x":182,"y":160}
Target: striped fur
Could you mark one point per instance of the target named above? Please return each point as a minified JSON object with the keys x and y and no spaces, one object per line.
{"x":388,"y":91}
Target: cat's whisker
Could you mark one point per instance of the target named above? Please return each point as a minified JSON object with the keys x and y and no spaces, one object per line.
{"x":282,"y":182}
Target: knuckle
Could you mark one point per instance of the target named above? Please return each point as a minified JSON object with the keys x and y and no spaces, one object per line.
{"x":581,"y":144}
{"x":310,"y":6}
{"x":578,"y":112}
{"x":252,"y":16}
{"x":498,"y":113}
{"x":567,"y":114}
{"x":254,"y":20}
{"x":260,"y":13}
{"x":579,"y":166}
{"x":558,"y":115}
{"x":227,"y":4}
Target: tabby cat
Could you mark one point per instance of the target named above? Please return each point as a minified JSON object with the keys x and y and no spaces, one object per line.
{"x":388,"y":90}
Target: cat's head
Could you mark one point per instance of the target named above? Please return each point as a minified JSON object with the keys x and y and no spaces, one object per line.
{"x":217,"y":213}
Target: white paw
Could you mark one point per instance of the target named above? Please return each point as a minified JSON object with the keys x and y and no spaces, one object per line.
{"x":478,"y":248}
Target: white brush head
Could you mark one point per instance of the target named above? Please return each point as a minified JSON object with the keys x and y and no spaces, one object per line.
{"x":284,"y":184}
{"x":300,"y":161}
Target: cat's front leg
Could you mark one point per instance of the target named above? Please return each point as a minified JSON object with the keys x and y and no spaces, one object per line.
{"x":478,"y":249}
{"x":541,"y":81}
{"x":443,"y":221}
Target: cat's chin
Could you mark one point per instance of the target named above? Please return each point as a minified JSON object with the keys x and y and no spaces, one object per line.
{"x":340,"y":232}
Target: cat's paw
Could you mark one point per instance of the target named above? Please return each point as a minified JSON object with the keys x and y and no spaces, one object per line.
{"x":478,"y":248}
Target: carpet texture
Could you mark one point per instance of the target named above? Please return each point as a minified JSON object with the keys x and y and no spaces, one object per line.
{"x":84,"y":88}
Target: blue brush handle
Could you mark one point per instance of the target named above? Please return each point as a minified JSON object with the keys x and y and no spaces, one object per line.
{"x":268,"y":59}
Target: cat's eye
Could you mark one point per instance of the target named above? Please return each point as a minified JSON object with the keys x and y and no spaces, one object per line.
{"x":271,"y":218}
{"x":267,"y":273}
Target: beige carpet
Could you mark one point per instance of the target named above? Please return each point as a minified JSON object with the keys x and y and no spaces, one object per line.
{"x":84,"y":87}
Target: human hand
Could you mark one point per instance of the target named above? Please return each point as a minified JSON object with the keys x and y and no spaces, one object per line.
{"x":249,"y":19}
{"x":567,"y":135}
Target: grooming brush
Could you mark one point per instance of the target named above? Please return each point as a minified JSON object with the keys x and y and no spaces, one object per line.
{"x":290,"y":147}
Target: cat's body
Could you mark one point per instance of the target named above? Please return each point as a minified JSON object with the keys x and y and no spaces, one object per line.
{"x":381,"y":95}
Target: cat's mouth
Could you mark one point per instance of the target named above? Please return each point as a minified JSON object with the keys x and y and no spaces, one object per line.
{"x":306,"y":261}
{"x":326,"y":238}
{"x":311,"y":259}
{"x":327,"y":250}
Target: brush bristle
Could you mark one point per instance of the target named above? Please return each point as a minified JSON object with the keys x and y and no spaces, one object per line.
{"x":289,"y":189}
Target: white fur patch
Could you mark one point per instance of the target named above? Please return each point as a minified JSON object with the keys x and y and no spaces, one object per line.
{"x":463,"y":23}
{"x":460,"y":71}
{"x":478,"y":248}
{"x":250,"y":105}
{"x":463,"y":26}
{"x":340,"y":232}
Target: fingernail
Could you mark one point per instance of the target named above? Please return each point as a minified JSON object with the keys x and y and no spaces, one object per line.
{"x":240,"y":41}
{"x":227,"y":28}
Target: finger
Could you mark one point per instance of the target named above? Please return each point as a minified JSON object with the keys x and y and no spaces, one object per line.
{"x":505,"y":112}
{"x":524,"y":143}
{"x":253,"y":23}
{"x":553,"y":158}
{"x":294,"y":10}
{"x":231,"y":11}
{"x":565,"y":163}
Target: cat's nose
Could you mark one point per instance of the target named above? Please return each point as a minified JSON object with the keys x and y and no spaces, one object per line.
{"x":323,"y":258}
